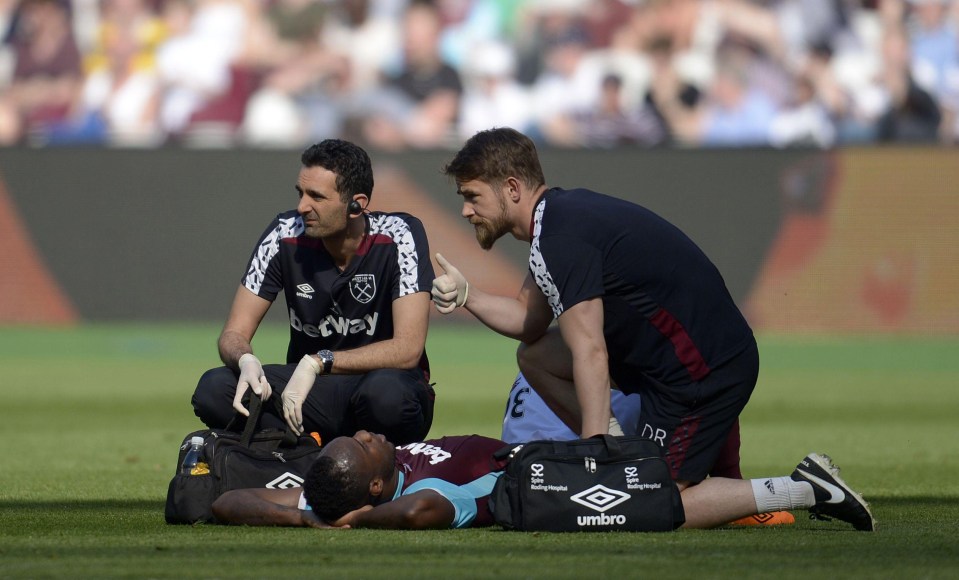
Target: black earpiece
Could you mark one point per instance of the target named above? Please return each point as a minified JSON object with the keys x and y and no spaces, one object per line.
{"x":354,"y":208}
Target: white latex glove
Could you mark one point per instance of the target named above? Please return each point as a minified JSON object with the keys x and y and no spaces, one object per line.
{"x":451,"y":289}
{"x":251,"y":377}
{"x":296,"y":391}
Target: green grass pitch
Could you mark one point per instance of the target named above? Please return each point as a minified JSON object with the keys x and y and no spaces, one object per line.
{"x":92,"y":418}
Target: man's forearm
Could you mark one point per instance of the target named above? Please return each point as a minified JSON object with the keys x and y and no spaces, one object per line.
{"x":242,"y":508}
{"x":505,"y":315}
{"x":581,"y":327}
{"x":591,"y":377}
{"x":233,"y":345}
{"x":420,"y":511}
{"x":393,"y":353}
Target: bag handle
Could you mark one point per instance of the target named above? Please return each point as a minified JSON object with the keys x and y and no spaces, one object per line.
{"x":613,"y":449}
{"x":256,"y":408}
{"x":249,"y":429}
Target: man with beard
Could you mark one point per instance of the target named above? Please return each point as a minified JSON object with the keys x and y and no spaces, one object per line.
{"x":355,"y":283}
{"x":638,"y":306}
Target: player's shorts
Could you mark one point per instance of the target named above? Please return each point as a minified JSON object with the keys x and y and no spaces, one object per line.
{"x":693,"y":423}
{"x":529,"y":418}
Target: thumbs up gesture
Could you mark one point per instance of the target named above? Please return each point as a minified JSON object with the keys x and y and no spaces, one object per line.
{"x":451,"y":289}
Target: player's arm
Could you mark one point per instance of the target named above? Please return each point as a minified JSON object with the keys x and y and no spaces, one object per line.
{"x":236,"y":350}
{"x":525,"y":317}
{"x":263,"y":507}
{"x":422,"y":510}
{"x":582,"y":329}
{"x":245,"y":316}
{"x":411,"y":315}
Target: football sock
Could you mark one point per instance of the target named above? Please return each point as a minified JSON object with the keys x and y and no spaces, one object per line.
{"x":614,"y":428}
{"x":773,"y":494}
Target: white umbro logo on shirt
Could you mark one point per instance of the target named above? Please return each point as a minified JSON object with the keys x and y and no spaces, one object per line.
{"x":304,"y":291}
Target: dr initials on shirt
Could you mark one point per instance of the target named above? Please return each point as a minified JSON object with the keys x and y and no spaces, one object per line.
{"x":336,"y":325}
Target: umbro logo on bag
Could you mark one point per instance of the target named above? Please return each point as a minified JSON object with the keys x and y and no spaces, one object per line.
{"x":285,"y":481}
{"x":600,"y":498}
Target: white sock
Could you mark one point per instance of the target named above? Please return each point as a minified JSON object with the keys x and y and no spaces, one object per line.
{"x":614,"y":428}
{"x":774,"y":494}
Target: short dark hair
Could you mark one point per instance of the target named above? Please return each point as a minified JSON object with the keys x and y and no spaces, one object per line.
{"x":350,"y":163}
{"x":495,"y":154}
{"x":333,"y":489}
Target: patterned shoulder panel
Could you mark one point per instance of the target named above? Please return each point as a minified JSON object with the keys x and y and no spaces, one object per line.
{"x":537,"y":265}
{"x":398,"y":230}
{"x":269,"y":247}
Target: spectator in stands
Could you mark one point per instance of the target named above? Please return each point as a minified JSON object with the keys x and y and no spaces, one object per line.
{"x":934,"y":44}
{"x":732,"y":113}
{"x":805,"y":121}
{"x":301,"y":81}
{"x":194,"y":63}
{"x":912,"y":114}
{"x":611,"y":123}
{"x":668,"y":87}
{"x":47,"y":72}
{"x":418,"y":105}
{"x":136,"y":19}
{"x":492,"y":96}
{"x":119,"y":101}
{"x":390,"y":72}
{"x":366,"y":34}
{"x":566,"y":85}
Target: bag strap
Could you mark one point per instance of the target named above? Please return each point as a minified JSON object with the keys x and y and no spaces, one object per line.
{"x":256,"y":408}
{"x":613,"y":447}
{"x":288,"y":439}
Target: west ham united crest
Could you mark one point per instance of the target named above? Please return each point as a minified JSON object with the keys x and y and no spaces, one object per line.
{"x":363,"y":287}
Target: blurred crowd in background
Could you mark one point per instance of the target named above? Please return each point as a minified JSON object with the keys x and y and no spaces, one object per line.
{"x":426,"y":74}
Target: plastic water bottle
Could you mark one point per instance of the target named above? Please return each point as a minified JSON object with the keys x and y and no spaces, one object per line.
{"x":192,"y":457}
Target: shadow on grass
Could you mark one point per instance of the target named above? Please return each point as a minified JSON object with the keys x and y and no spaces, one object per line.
{"x":101,"y":505}
{"x":94,"y":505}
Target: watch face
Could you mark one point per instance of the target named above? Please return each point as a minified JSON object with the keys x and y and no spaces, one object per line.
{"x":327,"y":357}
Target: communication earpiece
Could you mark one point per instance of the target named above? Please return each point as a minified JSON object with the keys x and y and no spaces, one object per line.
{"x":354,"y":207}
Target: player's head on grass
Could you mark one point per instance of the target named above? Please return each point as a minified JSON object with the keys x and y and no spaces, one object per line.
{"x":349,"y":473}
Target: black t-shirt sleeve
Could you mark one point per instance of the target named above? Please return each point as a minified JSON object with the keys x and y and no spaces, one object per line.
{"x":416,"y":269}
{"x":575,"y":267}
{"x":264,"y":276}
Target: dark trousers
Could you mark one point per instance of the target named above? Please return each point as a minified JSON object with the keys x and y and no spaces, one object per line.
{"x":395,"y":403}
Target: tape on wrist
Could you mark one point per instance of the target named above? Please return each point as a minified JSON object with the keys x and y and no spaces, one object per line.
{"x":466,"y":294}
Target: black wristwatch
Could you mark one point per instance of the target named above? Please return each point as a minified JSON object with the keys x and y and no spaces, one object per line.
{"x":326,"y":357}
